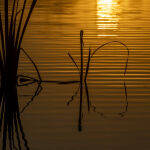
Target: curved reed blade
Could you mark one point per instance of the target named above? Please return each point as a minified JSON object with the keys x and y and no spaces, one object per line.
{"x":26,"y":23}
{"x":2,"y":38}
{"x":101,"y":46}
{"x":14,"y":23}
{"x":125,"y":70}
{"x":122,"y":114}
{"x":128,"y":52}
{"x":12,"y":19}
{"x":73,"y":61}
{"x":20,"y":23}
{"x":88,"y":65}
{"x":37,"y":92}
{"x":36,"y":68}
{"x":15,"y":19}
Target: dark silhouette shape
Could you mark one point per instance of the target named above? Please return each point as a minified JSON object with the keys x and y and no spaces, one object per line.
{"x":93,"y":108}
{"x":87,"y":95}
{"x":23,"y":80}
{"x":83,"y":79}
{"x":37,"y":92}
{"x":26,"y":80}
{"x":11,"y":36}
{"x":73,"y":96}
{"x":11,"y":128}
{"x":122,"y":114}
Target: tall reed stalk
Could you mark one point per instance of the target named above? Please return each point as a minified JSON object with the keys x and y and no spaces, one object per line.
{"x":81,"y":81}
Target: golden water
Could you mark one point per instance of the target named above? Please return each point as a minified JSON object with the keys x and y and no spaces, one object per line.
{"x":53,"y":31}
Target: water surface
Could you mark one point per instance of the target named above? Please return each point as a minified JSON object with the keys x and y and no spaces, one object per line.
{"x":113,"y":121}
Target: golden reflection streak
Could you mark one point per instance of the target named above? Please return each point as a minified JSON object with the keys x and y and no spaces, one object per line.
{"x":107,"y":15}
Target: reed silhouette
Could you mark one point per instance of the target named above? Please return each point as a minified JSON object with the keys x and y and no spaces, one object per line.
{"x":93,"y":108}
{"x":83,"y":79}
{"x":11,"y":128}
{"x":11,"y":35}
{"x":12,"y":30}
{"x":23,"y":80}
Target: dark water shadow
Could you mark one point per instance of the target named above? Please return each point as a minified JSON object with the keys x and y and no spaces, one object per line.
{"x":11,"y":127}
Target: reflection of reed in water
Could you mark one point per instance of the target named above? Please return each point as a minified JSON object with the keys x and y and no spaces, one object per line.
{"x":83,"y":79}
{"x":11,"y":128}
{"x":26,"y":80}
{"x":93,"y":108}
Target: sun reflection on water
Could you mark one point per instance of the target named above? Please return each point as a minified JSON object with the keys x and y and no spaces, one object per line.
{"x":108,"y":15}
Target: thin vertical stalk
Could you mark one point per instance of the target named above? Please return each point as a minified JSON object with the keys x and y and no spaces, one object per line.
{"x":88,"y":65}
{"x":87,"y":95}
{"x":81,"y":53}
{"x":6,"y":19}
{"x":15,"y":19}
{"x":2,"y":38}
{"x":26,"y":23}
{"x":81,"y":81}
{"x":6,"y":22}
{"x":20,"y":23}
{"x":12,"y":19}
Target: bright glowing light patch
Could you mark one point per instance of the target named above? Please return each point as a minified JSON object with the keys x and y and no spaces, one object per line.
{"x":107,"y":17}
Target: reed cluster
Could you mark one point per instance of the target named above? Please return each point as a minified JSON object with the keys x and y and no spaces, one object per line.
{"x":13,"y":24}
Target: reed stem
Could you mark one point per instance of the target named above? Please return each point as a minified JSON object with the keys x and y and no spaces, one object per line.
{"x":81,"y":81}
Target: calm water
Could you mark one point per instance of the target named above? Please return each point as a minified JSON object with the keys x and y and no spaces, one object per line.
{"x":113,"y":122}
